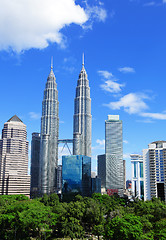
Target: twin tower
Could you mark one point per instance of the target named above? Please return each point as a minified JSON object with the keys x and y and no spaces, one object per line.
{"x":48,"y":162}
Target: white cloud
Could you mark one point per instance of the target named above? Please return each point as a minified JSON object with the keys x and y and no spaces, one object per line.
{"x":149,"y":4}
{"x":34,"y":115}
{"x":164,"y":1}
{"x":35,"y":23}
{"x":131,"y":103}
{"x":145,"y":121}
{"x":110,"y":84}
{"x":126,"y":155}
{"x":125,"y":141}
{"x":100,"y":146}
{"x":105,"y":74}
{"x":126,"y":70}
{"x":160,"y":116}
{"x":94,"y":13}
{"x":61,"y":122}
{"x":101,"y":142}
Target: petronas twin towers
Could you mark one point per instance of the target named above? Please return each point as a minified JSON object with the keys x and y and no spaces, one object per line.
{"x":50,"y":128}
{"x":82,"y":116}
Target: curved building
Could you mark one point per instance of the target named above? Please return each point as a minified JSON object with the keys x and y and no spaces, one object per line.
{"x":82,"y":116}
{"x":49,"y":137}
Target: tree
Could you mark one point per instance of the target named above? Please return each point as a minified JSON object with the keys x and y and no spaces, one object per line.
{"x":160,"y":230}
{"x":127,"y":227}
{"x":25,"y":219}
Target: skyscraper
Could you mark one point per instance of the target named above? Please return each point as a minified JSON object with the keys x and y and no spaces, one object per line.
{"x":82,"y":116}
{"x":49,"y":137}
{"x":14,"y":178}
{"x":35,"y":154}
{"x":110,"y":165}
{"x":154,"y":159}
{"x":137,"y":175}
{"x":76,"y":175}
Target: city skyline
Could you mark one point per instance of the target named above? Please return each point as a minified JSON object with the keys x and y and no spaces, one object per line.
{"x":124,"y":46}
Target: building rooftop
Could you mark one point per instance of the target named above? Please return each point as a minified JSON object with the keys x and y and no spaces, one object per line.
{"x":15,"y":119}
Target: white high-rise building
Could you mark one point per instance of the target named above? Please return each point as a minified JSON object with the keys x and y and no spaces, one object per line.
{"x":110,"y":165}
{"x":154,"y":159}
{"x":48,"y":162}
{"x":137,"y":175}
{"x":82,"y":116}
{"x":14,"y":178}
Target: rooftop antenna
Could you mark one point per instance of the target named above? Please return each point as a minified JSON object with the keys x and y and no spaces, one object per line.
{"x":83,"y":59}
{"x":51,"y":62}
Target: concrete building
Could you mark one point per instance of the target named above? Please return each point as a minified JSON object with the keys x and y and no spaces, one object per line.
{"x":76,"y":175}
{"x":137,"y":175}
{"x":35,"y":154}
{"x":110,"y":165}
{"x":154,"y":159}
{"x":82,"y":116}
{"x":49,"y":137}
{"x":14,"y":178}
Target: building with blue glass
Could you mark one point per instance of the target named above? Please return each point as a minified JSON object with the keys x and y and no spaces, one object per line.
{"x":96,"y":185}
{"x":137,"y":175}
{"x":154,"y":159}
{"x":76,"y":175}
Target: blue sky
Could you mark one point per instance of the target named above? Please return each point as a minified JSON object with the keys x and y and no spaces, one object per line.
{"x":124,"y":42}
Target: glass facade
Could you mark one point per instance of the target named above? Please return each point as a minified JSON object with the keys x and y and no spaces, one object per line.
{"x":76,"y":174}
{"x":135,"y":169}
{"x":141,"y":170}
{"x":96,"y":185}
{"x":142,"y":189}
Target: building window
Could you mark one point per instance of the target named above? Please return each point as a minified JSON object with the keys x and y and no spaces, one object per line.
{"x":142,"y":189}
{"x":135,"y":169}
{"x":141,"y":170}
{"x":135,"y":188}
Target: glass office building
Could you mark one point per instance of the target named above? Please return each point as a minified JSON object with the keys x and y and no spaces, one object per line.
{"x":76,"y":174}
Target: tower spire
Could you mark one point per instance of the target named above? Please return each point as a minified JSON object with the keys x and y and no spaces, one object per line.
{"x":51,"y":62}
{"x":83,"y":59}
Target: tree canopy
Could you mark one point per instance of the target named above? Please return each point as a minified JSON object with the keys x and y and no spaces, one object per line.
{"x":107,"y":217}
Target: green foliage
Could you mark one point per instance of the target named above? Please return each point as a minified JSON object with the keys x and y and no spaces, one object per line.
{"x":153,"y":210}
{"x":128,"y":227}
{"x":108,"y":217}
{"x":51,"y":200}
{"x":109,"y":203}
{"x":160,"y":229}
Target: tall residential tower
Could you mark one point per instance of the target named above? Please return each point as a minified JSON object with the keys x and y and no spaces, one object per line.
{"x":49,"y":137}
{"x":14,"y":178}
{"x":82,"y":116}
{"x":154,"y":159}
